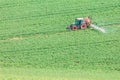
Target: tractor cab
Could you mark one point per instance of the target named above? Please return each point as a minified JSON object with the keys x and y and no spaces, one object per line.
{"x":79,"y":21}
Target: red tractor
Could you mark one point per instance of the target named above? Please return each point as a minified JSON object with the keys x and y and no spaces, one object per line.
{"x":80,"y":23}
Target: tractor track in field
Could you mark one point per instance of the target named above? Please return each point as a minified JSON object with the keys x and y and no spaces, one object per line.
{"x":112,"y":24}
{"x":63,"y":12}
{"x":72,"y":45}
{"x":15,"y":4}
{"x":38,"y":34}
{"x":22,"y":3}
{"x":23,"y":36}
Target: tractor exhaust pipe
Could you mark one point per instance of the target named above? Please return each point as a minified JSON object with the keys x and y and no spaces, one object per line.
{"x":97,"y":28}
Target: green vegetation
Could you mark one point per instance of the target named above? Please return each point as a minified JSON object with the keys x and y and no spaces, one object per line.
{"x":34,"y":44}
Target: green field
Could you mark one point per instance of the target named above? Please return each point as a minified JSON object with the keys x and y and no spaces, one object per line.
{"x":35,"y":45}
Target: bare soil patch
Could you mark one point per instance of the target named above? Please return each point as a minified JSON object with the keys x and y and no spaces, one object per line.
{"x":15,"y":38}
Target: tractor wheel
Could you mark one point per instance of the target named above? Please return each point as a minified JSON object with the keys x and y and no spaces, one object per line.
{"x":74,"y":28}
{"x":83,"y":26}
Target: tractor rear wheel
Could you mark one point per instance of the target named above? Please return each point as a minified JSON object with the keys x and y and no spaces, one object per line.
{"x":74,"y":28}
{"x":83,"y":26}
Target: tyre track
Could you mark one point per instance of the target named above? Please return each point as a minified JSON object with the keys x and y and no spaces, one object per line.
{"x":64,"y":12}
{"x":47,"y":48}
{"x":25,"y":35}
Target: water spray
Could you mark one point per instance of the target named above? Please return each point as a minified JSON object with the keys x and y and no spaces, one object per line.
{"x":98,"y":28}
